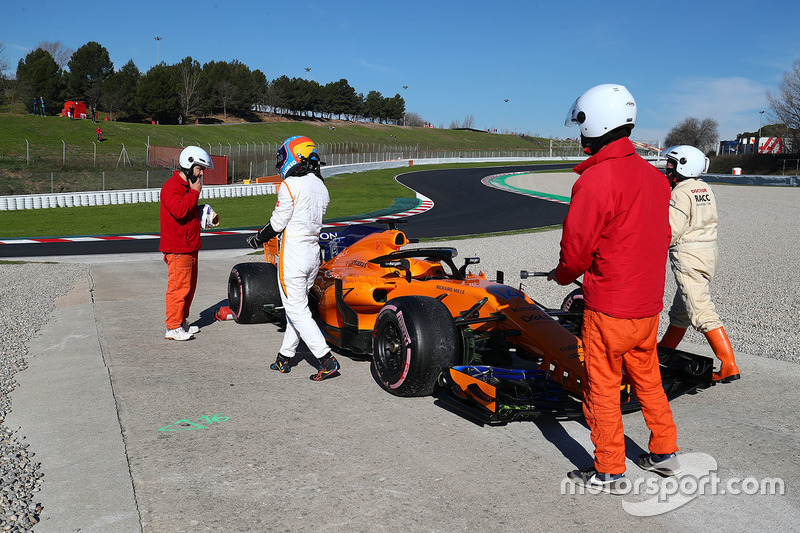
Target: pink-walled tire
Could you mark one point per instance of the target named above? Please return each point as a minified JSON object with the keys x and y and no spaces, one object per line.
{"x":413,"y":341}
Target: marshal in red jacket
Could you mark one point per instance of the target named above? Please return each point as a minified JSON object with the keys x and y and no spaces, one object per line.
{"x":180,"y":220}
{"x":617,"y":233}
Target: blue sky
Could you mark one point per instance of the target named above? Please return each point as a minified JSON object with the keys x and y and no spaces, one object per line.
{"x":679,"y":59}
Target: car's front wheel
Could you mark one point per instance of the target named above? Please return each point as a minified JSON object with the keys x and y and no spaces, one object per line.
{"x":413,"y":341}
{"x":573,"y":303}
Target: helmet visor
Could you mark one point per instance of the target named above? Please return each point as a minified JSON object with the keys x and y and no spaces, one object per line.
{"x":575,"y":116}
{"x":282,"y":154}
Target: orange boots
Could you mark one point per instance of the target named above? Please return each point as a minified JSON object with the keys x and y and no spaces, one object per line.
{"x":719,"y":343}
{"x":672,"y":337}
{"x":722,"y":349}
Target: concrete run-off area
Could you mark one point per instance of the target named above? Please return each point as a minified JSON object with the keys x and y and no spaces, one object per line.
{"x":135,"y":433}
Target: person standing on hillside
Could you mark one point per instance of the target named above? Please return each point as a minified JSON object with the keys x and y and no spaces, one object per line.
{"x":616,"y":235}
{"x":297,"y":218}
{"x":180,"y":239}
{"x":693,"y":256}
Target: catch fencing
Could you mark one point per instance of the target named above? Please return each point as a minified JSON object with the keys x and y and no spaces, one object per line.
{"x":135,"y":168}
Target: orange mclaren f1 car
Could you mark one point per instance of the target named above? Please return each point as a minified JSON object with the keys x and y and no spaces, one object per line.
{"x":486,"y":349}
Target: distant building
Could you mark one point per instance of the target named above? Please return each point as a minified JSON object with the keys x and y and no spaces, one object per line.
{"x":751,"y":145}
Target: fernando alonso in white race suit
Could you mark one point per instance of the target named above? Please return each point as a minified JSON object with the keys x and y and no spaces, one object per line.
{"x":693,"y":255}
{"x":302,"y":202}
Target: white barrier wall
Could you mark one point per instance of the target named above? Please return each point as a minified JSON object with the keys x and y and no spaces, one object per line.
{"x":78,"y":199}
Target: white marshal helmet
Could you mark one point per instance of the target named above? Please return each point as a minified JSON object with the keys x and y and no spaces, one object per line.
{"x":601,"y":109}
{"x":194,"y":155}
{"x":689,"y":161}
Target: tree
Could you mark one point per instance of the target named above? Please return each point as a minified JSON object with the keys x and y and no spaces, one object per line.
{"x":189,"y":97}
{"x":120,"y":89}
{"x":260,"y":88}
{"x":310,"y":97}
{"x":786,"y":104}
{"x":692,"y":131}
{"x":414,"y":119}
{"x":226,"y":93}
{"x":231,"y":86}
{"x":157,"y":95}
{"x":373,"y":106}
{"x":38,"y":75}
{"x":3,"y":68}
{"x":3,"y":62}
{"x":469,"y":121}
{"x":89,"y":67}
{"x":60,"y":53}
{"x":280,"y":90}
{"x":394,"y":108}
{"x":340,"y":98}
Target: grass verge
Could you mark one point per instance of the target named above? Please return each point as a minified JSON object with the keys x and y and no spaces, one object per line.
{"x":351,"y":195}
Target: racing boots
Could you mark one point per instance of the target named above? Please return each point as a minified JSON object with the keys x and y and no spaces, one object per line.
{"x":281,"y":364}
{"x":328,"y":367}
{"x":672,"y":337}
{"x":719,"y":342}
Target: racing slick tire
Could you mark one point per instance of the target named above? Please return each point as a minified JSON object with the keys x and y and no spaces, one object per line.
{"x":414,"y":340}
{"x":574,"y":303}
{"x":251,"y":286}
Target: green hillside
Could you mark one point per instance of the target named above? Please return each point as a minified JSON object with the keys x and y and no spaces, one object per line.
{"x":56,"y":143}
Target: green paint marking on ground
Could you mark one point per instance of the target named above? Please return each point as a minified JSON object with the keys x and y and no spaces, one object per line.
{"x":501,"y":180}
{"x":188,"y":425}
{"x":400,"y":205}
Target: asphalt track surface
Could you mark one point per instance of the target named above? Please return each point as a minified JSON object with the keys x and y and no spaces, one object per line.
{"x":462,"y":206}
{"x":465,"y":206}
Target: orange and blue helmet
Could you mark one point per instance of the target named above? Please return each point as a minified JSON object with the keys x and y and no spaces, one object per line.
{"x":297,"y":155}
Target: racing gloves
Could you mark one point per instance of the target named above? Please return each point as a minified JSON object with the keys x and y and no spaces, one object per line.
{"x":264,"y":235}
{"x":208,"y":218}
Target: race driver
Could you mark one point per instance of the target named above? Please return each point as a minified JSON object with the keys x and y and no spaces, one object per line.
{"x":297,"y":218}
{"x":693,"y":255}
{"x":616,"y":235}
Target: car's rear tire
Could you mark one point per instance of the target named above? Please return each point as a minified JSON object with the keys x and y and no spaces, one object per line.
{"x":413,"y":341}
{"x":250,"y":287}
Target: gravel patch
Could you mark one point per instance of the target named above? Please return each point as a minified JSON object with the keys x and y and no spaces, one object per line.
{"x":27,"y":297}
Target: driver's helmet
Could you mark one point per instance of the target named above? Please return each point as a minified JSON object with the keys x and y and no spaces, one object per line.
{"x":294,"y":154}
{"x":192,"y":156}
{"x":689,"y":162}
{"x":602,"y":109}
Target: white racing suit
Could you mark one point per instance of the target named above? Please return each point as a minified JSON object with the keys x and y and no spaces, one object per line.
{"x":302,"y":202}
{"x":693,"y":255}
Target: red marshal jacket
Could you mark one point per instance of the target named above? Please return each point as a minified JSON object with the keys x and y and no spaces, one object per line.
{"x":180,"y":221}
{"x":617,"y":233}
